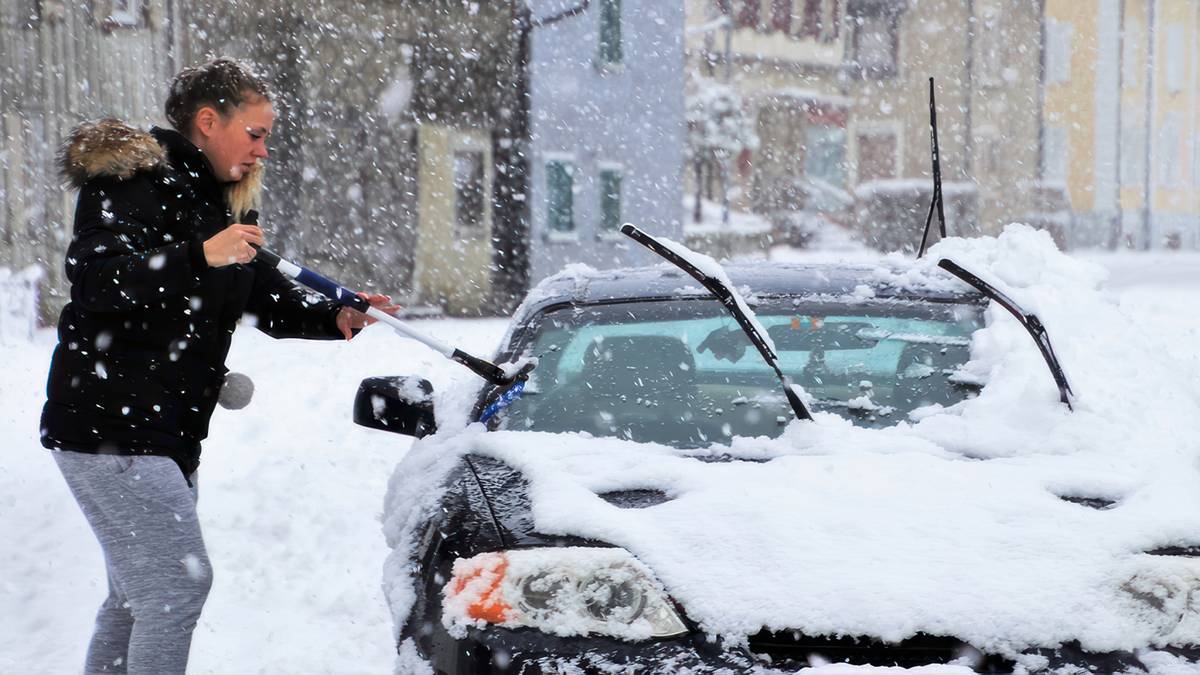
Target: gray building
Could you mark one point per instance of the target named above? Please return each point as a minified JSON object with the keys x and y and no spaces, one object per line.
{"x":606,"y":132}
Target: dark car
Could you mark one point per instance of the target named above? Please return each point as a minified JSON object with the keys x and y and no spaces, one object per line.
{"x":646,"y":356}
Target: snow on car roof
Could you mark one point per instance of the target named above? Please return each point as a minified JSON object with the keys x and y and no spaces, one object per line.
{"x":894,"y":277}
{"x":977,"y":521}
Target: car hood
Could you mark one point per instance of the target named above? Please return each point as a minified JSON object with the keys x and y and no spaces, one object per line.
{"x":860,"y":543}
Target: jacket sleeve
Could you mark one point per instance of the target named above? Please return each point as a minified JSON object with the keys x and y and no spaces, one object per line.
{"x":282,"y":309}
{"x":110,"y":262}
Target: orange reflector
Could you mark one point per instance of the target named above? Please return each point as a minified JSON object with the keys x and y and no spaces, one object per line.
{"x":478,"y":580}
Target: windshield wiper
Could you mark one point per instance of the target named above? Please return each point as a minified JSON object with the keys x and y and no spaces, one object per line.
{"x":1031,"y":323}
{"x":729,"y":298}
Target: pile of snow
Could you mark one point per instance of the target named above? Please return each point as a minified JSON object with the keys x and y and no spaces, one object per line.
{"x":712,"y":220}
{"x":951,"y":523}
{"x":18,"y":303}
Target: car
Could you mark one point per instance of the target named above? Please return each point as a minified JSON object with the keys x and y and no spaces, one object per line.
{"x":647,"y":503}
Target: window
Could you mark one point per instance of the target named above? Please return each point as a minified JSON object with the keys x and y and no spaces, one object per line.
{"x":824,"y":165}
{"x":1133,"y":155}
{"x":877,"y":44}
{"x":1055,"y":156}
{"x":610,"y":32}
{"x":125,"y":13}
{"x":876,"y":155}
{"x":992,"y":40}
{"x":1175,"y":58}
{"x":805,"y":19}
{"x":820,"y":19}
{"x":610,"y":199}
{"x":29,"y":14}
{"x":1167,"y":152}
{"x":781,"y":16}
{"x":560,"y":186}
{"x":1132,"y":69}
{"x":1058,"y":51}
{"x":469,"y":191}
{"x":746,"y":13}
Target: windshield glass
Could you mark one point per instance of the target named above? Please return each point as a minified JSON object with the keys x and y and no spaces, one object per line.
{"x":682,"y":373}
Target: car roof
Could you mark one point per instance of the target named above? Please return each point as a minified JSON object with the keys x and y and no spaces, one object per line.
{"x":582,"y":285}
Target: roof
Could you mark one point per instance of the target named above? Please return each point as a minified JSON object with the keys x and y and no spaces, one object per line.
{"x":582,"y":285}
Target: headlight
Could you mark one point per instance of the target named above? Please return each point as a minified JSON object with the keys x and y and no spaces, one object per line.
{"x":564,"y":591}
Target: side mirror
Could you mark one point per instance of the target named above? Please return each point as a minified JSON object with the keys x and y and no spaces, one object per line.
{"x":402,"y":405}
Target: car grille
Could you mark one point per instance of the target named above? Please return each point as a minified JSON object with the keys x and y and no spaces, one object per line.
{"x":786,"y":648}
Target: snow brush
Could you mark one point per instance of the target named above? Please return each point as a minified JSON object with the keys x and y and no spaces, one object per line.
{"x":332,"y":290}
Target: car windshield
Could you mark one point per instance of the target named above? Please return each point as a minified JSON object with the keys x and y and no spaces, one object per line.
{"x":682,"y":373}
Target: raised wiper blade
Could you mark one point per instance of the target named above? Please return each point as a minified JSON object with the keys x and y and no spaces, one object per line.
{"x":729,"y":298}
{"x":1032,"y":324}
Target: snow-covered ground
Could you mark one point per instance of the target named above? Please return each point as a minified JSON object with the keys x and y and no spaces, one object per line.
{"x":290,"y":497}
{"x":291,"y":492}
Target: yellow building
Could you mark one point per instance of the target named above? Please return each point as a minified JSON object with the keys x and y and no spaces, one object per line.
{"x":1120,"y":118}
{"x":785,"y":60}
{"x":843,"y":110}
{"x":986,"y":98}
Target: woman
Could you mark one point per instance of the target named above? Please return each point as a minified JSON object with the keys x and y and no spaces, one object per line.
{"x":160,"y":275}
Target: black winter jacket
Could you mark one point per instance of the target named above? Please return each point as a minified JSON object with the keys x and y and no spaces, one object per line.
{"x":142,"y":343}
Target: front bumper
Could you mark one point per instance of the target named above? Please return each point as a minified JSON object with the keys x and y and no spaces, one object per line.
{"x":531,"y":652}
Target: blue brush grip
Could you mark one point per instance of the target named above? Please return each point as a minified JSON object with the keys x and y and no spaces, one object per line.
{"x":506,"y":399}
{"x":331,"y":290}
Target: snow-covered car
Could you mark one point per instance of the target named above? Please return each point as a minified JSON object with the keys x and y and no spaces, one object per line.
{"x":651,"y":503}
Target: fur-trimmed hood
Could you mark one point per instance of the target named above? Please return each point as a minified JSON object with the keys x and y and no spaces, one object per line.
{"x":112,"y":148}
{"x":108,"y":148}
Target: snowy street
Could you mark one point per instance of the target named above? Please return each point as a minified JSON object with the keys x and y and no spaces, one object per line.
{"x":291,"y":493}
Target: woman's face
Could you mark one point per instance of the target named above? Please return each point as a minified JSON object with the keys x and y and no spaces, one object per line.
{"x":235,"y":143}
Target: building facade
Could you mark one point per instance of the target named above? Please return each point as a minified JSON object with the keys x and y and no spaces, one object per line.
{"x":1078,"y":117}
{"x":62,"y":63}
{"x":606,"y":130}
{"x":448,"y":153}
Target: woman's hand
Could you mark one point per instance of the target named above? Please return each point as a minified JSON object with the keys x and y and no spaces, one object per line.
{"x":232,"y":245}
{"x":349,"y":320}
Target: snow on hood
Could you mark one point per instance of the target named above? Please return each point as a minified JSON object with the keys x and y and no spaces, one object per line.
{"x":949,"y":524}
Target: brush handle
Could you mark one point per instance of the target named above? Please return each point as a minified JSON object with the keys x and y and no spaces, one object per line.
{"x":318,"y":283}
{"x":485,"y":369}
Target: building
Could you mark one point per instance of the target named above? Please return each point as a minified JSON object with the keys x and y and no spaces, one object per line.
{"x":984,"y":58}
{"x":449,"y":153}
{"x":606,"y":130}
{"x":1129,"y":71}
{"x":786,"y":62}
{"x":473,"y":149}
{"x":1078,"y":117}
{"x":62,"y":63}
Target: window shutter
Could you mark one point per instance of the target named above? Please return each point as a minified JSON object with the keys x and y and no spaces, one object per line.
{"x":1056,"y":156}
{"x":610,"y":200}
{"x":748,"y":16}
{"x":559,"y":197}
{"x":1175,"y":58}
{"x":1058,"y":51}
{"x":811,"y":28}
{"x":610,"y":31}
{"x":781,"y":16}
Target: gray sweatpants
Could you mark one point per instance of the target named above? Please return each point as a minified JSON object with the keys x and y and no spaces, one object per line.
{"x":144,"y":514}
